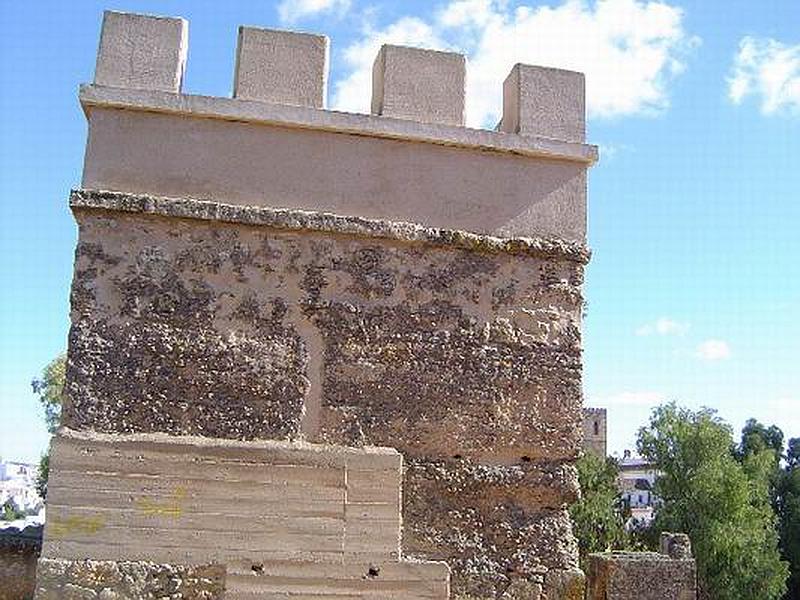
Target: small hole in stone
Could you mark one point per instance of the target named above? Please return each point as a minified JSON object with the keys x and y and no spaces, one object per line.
{"x":457,"y":456}
{"x":373,"y":571}
{"x":258,"y":569}
{"x":525,"y":458}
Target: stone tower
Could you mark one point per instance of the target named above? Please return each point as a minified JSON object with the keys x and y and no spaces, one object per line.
{"x":270,"y":296}
{"x":595,"y":431}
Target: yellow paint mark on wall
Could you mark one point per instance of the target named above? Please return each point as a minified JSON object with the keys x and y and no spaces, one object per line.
{"x":168,"y":508}
{"x":59,"y":527}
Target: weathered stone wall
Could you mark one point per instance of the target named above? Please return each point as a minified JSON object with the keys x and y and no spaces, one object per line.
{"x":19,"y":550}
{"x":641,"y":576}
{"x":461,"y":351}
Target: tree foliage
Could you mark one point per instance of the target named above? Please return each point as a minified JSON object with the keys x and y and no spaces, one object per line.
{"x":723,"y":505}
{"x":788,"y":509}
{"x":760,"y":452}
{"x":50,"y":390}
{"x":42,"y":475}
{"x":598,"y":517}
{"x":10,"y":512}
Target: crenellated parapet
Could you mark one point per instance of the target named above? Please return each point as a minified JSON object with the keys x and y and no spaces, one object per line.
{"x":275,"y":144}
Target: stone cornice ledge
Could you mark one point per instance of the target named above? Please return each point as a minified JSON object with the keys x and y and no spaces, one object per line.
{"x":234,"y":109}
{"x":286,"y":219}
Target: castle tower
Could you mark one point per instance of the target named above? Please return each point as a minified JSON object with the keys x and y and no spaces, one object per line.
{"x":270,"y":296}
{"x":595,"y":431}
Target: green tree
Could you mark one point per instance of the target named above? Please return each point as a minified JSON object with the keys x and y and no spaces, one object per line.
{"x":50,"y":390}
{"x":760,"y":453}
{"x":598,"y":517}
{"x":42,"y":475}
{"x":10,"y":512}
{"x":725,"y":510}
{"x":787,"y":505}
{"x":756,"y":438}
{"x":793,"y":453}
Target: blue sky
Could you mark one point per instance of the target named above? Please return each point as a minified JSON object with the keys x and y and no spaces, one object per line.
{"x":694,"y":287}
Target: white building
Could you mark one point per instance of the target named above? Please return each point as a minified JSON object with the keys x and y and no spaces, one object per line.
{"x":637,"y":479}
{"x":18,"y":484}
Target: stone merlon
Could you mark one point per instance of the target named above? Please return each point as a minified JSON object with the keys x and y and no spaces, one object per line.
{"x":275,"y":144}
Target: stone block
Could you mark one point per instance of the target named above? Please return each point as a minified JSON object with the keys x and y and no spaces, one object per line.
{"x":545,"y":102}
{"x":282,"y":67}
{"x":170,"y":499}
{"x":373,"y":580}
{"x":417,"y":84}
{"x":142,"y":52}
{"x":640,"y":576}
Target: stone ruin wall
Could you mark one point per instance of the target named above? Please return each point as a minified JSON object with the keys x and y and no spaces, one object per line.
{"x":669,"y":574}
{"x":261,"y":268}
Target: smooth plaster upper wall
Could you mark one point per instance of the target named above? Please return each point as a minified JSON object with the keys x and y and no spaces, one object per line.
{"x":265,"y":165}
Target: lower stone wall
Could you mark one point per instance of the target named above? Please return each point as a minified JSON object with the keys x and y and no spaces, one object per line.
{"x":284,"y":519}
{"x":18,"y":553}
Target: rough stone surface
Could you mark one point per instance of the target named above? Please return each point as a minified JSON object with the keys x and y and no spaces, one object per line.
{"x":461,"y":351}
{"x":497,"y":526}
{"x":640,"y":576}
{"x":417,"y":84}
{"x":19,"y":550}
{"x":281,"y":66}
{"x":142,"y":52}
{"x":127,"y":580}
{"x":546,"y":102}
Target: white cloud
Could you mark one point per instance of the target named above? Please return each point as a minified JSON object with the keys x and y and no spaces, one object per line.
{"x":663,"y":326}
{"x":713,"y":350}
{"x":628,"y":49}
{"x":769,"y":70}
{"x":291,"y":11}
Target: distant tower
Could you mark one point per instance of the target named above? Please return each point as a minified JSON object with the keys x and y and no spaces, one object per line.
{"x":595,"y":437}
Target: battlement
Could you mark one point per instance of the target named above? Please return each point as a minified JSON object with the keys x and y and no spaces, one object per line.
{"x":259,"y":147}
